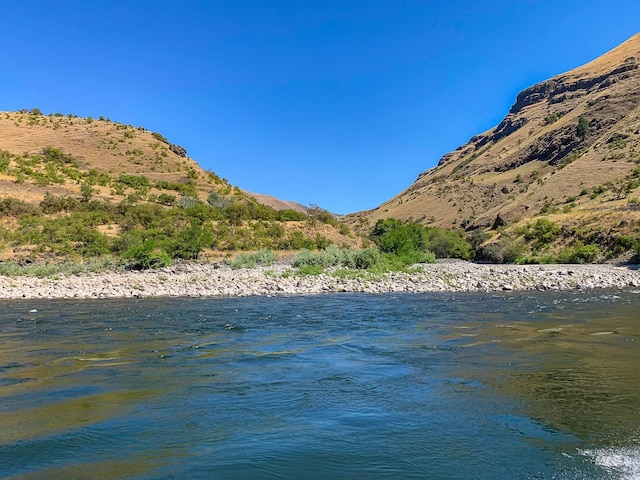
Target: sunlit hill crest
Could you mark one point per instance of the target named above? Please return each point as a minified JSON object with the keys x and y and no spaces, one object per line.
{"x":568,"y":150}
{"x":85,"y":186}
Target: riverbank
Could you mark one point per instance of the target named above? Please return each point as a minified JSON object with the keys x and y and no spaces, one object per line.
{"x":209,"y":280}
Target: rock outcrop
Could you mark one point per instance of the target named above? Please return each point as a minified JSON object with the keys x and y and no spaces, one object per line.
{"x":563,"y":138}
{"x":178,"y":150}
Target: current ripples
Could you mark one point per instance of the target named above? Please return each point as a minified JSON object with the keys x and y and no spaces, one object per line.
{"x":535,"y":385}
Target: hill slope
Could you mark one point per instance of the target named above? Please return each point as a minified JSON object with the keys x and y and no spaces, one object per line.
{"x":108,"y":147}
{"x":79,"y":186}
{"x":569,"y":147}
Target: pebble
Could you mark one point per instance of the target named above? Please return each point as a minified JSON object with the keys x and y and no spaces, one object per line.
{"x":208,"y":280}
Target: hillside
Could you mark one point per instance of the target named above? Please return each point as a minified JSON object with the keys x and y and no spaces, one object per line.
{"x":71,"y":185}
{"x":568,"y":150}
{"x":108,"y":147}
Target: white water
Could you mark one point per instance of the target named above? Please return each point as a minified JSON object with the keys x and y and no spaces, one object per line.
{"x":620,"y":463}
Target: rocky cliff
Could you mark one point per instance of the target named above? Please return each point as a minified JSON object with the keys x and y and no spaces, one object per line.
{"x":569,"y":146}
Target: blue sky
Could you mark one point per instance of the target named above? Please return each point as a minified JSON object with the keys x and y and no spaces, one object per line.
{"x":336,"y":103}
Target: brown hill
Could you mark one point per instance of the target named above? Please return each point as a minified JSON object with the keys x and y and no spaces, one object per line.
{"x":79,"y":186}
{"x":108,"y":147}
{"x":569,"y":146}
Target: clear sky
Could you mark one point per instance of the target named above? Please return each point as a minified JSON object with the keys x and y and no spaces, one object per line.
{"x":339,"y":103}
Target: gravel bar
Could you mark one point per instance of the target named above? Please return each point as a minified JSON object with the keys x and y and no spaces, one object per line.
{"x":213,"y":280}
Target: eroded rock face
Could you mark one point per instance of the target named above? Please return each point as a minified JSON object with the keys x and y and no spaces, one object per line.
{"x":553,"y":147}
{"x":562,"y":139}
{"x":509,"y":125}
{"x":566,"y":87}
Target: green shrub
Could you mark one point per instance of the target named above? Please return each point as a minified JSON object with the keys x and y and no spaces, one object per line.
{"x":580,"y":253}
{"x":449,"y":244}
{"x":542,"y":232}
{"x":392,"y":236}
{"x":288,"y":215}
{"x":160,"y":137}
{"x":257,"y":211}
{"x":553,"y":117}
{"x":316,"y":214}
{"x":624,"y":243}
{"x":190,"y":241}
{"x":55,"y":204}
{"x":389,"y":262}
{"x":321,"y":241}
{"x":95,"y":177}
{"x":343,"y":229}
{"x":477,"y":237}
{"x":322,"y":259}
{"x":137,"y":182}
{"x":5,"y":159}
{"x":145,"y":255}
{"x":144,"y":215}
{"x":99,"y":264}
{"x":55,"y":155}
{"x":296,"y":241}
{"x":166,"y":199}
{"x":333,"y":256}
{"x":13,"y":207}
{"x":412,"y":243}
{"x":263,"y":257}
{"x":506,"y":250}
{"x":236,"y":212}
{"x":94,"y":244}
{"x":582,"y":130}
{"x":86,"y":191}
{"x":188,"y":188}
{"x":216,"y":200}
{"x":310,"y":270}
{"x":362,"y":259}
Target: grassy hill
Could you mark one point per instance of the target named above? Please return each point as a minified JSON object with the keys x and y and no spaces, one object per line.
{"x":73,"y":186}
{"x":567,"y":152}
{"x":107,"y":147}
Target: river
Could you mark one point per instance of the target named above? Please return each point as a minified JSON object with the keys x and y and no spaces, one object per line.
{"x":540,"y":385}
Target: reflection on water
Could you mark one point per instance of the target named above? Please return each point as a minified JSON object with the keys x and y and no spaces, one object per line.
{"x":535,"y":385}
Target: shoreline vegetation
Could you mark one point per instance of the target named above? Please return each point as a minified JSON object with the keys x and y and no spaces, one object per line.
{"x":396,"y":257}
{"x":192,"y":279}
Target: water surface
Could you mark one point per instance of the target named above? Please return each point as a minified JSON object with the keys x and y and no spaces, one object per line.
{"x":442,"y":386}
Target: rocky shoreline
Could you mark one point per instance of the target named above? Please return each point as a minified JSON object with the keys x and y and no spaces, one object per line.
{"x":209,"y":280}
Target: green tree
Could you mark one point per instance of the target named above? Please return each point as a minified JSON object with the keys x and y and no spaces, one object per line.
{"x":582,"y":130}
{"x":191,"y":240}
{"x":317,"y":214}
{"x":448,"y":244}
{"x":392,"y":236}
{"x":86,"y":191}
{"x":146,"y":254}
{"x":236,"y":212}
{"x":543,"y":231}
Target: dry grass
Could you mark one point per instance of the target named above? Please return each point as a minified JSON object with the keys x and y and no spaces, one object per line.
{"x":113,"y":149}
{"x":108,"y":147}
{"x":507,"y":175}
